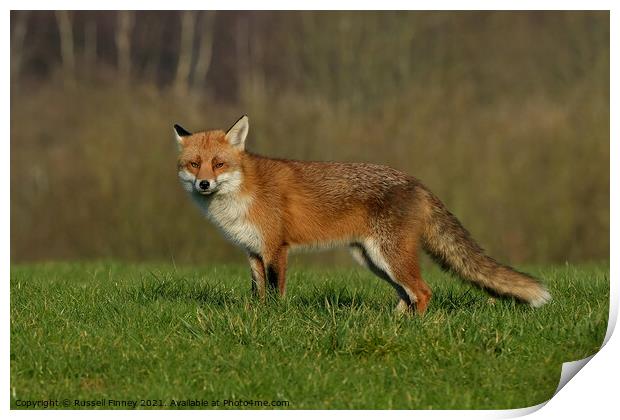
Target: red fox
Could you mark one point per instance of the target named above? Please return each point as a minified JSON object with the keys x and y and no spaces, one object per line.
{"x":270,"y":206}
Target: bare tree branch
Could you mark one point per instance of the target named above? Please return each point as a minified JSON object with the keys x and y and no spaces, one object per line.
{"x":123,"y":43}
{"x":205,"y":51}
{"x":250,"y":74}
{"x":184,"y":66}
{"x":90,"y":44}
{"x":63,"y":19}
{"x":17,"y":44}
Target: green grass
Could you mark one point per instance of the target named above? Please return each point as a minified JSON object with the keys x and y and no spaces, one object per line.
{"x":116,"y":331}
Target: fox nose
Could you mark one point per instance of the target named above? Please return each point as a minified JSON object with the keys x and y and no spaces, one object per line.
{"x":204,"y":185}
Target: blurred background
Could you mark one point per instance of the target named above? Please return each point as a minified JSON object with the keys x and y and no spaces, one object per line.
{"x":504,"y":115}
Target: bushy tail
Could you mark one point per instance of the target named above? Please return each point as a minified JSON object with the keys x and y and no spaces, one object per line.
{"x":451,"y":245}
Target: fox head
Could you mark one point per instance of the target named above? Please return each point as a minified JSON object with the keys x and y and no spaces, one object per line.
{"x":210,"y":161}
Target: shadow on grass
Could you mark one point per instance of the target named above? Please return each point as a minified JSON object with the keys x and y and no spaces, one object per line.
{"x":329,"y":296}
{"x":455,"y":301}
{"x":452,"y":300}
{"x":181,"y":289}
{"x":320,"y":298}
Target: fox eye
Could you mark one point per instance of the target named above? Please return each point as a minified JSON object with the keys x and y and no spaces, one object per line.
{"x":219,"y":165}
{"x":194,"y":164}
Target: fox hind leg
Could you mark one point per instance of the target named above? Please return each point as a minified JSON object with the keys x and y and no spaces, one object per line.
{"x":399,"y":268}
{"x":408,"y":273}
{"x":405,"y":270}
{"x":368,"y":255}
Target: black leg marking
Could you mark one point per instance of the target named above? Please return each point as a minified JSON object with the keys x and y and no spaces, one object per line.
{"x":254,"y":285}
{"x":402,"y":293}
{"x":272,"y":277}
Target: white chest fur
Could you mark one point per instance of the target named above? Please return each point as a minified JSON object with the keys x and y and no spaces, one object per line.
{"x":230,"y":212}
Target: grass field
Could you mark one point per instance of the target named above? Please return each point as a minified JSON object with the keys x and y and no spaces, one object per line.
{"x":93,"y":331}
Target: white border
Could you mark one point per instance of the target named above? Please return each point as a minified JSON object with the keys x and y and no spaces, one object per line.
{"x":592,"y":393}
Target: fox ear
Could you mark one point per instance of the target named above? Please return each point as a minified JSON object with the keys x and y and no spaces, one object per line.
{"x":238,"y":132}
{"x":179,"y":133}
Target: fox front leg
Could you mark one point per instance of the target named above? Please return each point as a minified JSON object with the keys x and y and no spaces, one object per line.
{"x":258,"y":275}
{"x":275,"y":269}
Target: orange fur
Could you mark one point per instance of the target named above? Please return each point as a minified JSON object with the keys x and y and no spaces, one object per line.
{"x":268,"y":206}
